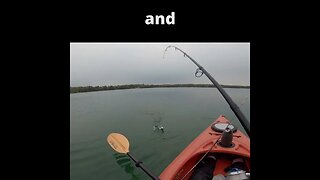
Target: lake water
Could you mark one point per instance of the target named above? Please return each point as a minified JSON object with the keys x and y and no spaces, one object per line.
{"x":183,"y":112}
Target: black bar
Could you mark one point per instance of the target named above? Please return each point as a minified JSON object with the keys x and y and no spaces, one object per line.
{"x":243,"y":120}
{"x":140,"y":165}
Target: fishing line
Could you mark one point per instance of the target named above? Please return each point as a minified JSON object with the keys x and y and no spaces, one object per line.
{"x":198,"y":72}
{"x":205,"y":153}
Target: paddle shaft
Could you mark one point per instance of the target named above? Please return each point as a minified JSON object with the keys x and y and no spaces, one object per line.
{"x":243,"y":120}
{"x":140,"y":165}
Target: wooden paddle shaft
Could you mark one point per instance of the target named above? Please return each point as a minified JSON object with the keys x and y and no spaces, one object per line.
{"x":140,"y":165}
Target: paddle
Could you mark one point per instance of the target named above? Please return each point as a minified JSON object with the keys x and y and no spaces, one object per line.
{"x":120,"y":143}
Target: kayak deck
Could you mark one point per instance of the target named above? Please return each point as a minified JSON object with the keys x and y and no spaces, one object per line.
{"x":180,"y":166}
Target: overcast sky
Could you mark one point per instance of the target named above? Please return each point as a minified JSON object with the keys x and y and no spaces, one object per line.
{"x":143,"y":63}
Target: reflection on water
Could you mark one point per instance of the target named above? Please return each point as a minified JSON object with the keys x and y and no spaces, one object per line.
{"x":125,"y":163}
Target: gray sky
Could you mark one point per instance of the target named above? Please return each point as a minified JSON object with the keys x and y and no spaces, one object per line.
{"x":143,"y":63}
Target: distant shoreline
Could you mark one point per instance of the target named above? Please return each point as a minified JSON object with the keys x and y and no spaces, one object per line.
{"x":83,"y":89}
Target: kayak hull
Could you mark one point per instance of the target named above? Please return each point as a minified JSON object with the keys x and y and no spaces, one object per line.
{"x":183,"y":163}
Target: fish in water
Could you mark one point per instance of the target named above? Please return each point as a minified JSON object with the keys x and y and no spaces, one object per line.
{"x":158,"y":127}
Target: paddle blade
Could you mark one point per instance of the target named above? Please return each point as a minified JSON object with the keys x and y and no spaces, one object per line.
{"x":118,"y":142}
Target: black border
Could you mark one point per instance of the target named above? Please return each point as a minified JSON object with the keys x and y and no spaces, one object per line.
{"x":51,"y":72}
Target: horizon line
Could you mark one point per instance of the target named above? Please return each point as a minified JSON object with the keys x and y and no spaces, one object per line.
{"x":161,"y":84}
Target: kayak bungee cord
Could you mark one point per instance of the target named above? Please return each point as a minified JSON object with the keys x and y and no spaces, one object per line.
{"x":199,"y":72}
{"x":202,"y":157}
{"x":205,"y":153}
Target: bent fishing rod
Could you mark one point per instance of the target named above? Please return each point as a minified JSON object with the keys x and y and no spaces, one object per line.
{"x":199,"y":72}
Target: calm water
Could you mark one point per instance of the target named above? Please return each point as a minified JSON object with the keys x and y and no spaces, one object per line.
{"x":184,"y":113}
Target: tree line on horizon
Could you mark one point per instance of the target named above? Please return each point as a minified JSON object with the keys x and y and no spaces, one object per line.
{"x":133,"y":86}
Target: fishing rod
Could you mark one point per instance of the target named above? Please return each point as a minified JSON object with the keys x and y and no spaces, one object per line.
{"x":199,"y":72}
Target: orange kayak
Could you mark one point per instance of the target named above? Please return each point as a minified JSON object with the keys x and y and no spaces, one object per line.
{"x":207,"y":140}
